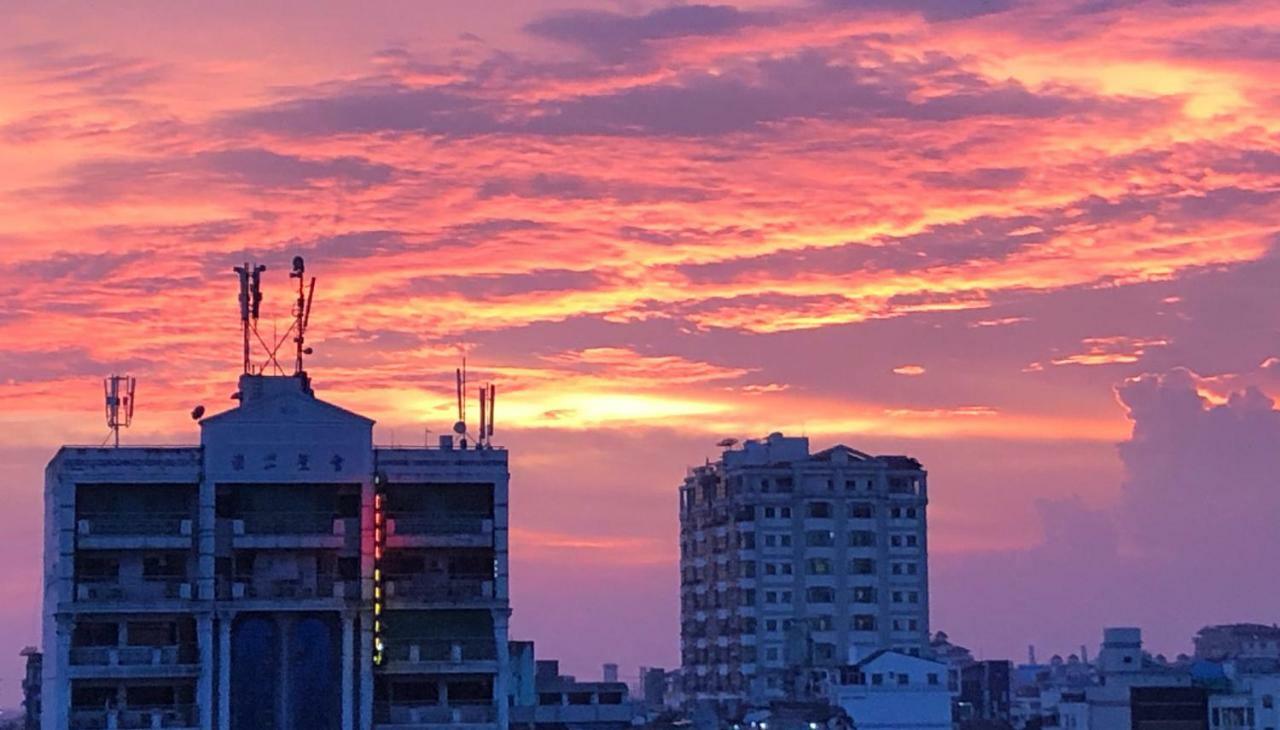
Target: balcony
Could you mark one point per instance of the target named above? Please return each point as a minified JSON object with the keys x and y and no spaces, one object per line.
{"x":294,"y":530}
{"x":134,"y":661}
{"x":442,"y":655}
{"x":423,"y":529}
{"x":324,"y":588}
{"x":90,"y":590}
{"x":125,"y":530}
{"x":406,"y":716}
{"x":420,"y":588}
{"x":172,"y":717}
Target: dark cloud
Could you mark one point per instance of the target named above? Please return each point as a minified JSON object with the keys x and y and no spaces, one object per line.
{"x":615,"y":37}
{"x":1253,"y":43}
{"x":985,"y":178}
{"x":82,"y":267}
{"x":506,"y":285}
{"x":103,"y":74}
{"x":749,"y":97}
{"x":564,"y":186}
{"x":264,"y":168}
{"x":934,"y":10}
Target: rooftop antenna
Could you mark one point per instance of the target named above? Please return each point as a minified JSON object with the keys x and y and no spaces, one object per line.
{"x":301,"y":312}
{"x":250,"y":304}
{"x":460,"y":427}
{"x":118,"y":392}
{"x":493,"y":399}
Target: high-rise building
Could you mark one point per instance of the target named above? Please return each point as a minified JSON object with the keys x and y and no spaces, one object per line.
{"x":792,"y":561}
{"x":284,"y":573}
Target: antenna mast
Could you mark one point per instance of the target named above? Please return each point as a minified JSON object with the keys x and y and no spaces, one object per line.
{"x":301,"y":312}
{"x":250,"y":304}
{"x":118,"y":393}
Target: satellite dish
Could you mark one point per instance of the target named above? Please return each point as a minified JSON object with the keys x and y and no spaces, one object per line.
{"x":460,"y":428}
{"x":197,"y":413}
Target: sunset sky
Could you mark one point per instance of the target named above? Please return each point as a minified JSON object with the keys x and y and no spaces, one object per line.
{"x":1032,"y":244}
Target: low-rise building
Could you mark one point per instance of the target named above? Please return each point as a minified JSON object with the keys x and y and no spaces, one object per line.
{"x":544,"y":699}
{"x":892,"y":690}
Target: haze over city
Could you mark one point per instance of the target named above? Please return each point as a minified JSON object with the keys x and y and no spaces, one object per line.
{"x":1030,"y":244}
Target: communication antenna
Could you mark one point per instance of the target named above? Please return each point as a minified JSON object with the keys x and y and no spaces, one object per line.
{"x":488,"y":396}
{"x":118,"y":392}
{"x":301,"y":312}
{"x":460,"y":427}
{"x":250,"y":304}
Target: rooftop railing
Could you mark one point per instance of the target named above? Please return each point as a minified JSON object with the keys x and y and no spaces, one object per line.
{"x":288,"y":522}
{"x":410,"y":523}
{"x":441,"y":650}
{"x":426,"y":587}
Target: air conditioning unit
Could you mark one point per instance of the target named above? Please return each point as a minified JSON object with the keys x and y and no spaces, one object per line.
{"x":237,"y":527}
{"x":239,"y":590}
{"x":82,"y":527}
{"x":185,"y":528}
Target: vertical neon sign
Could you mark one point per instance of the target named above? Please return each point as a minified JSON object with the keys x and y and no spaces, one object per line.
{"x":379,"y":546}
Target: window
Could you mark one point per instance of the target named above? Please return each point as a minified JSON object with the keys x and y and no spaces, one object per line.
{"x":862,"y":566}
{"x":770,"y":568}
{"x":821,"y":623}
{"x":895,"y":540}
{"x":862,"y":538}
{"x":771,"y":624}
{"x":897,"y":596}
{"x":864,"y":622}
{"x":824,"y":652}
{"x":861,"y":511}
{"x":749,"y":569}
{"x":913,"y":625}
{"x":933,"y":678}
{"x":896,"y":513}
{"x":913,"y":597}
{"x":784,"y":540}
{"x":820,"y":509}
{"x":911,"y":513}
{"x":877,"y":679}
{"x":771,"y":653}
{"x":819,"y":566}
{"x":820,"y":538}
{"x":821,"y":594}
{"x":747,"y":540}
{"x":903,"y":680}
{"x":749,"y":597}
{"x":770,"y":540}
{"x":786,"y":596}
{"x":771,"y":597}
{"x":911,"y":541}
{"x":864,"y":594}
{"x":786,"y":513}
{"x":770,"y":512}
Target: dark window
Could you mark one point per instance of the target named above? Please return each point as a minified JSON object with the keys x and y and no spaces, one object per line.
{"x":862,"y":538}
{"x":861,"y":511}
{"x":820,"y":509}
{"x":821,"y":594}
{"x":819,"y":538}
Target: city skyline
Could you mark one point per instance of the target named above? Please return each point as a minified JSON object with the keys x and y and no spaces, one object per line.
{"x":1030,"y":244}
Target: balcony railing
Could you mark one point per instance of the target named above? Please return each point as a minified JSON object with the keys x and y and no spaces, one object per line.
{"x":175,"y":716}
{"x":416,"y":586}
{"x":288,"y":523}
{"x":112,"y":589}
{"x":441,"y":650}
{"x":423,"y":714}
{"x":282,"y":588}
{"x":133,"y":656}
{"x":410,"y":523}
{"x":135,"y":523}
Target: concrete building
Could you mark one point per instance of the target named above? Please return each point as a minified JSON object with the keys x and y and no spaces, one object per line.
{"x":545,"y":699}
{"x":1238,"y":641}
{"x":284,"y":573}
{"x":792,"y":560}
{"x":31,"y":688}
{"x":985,"y":691}
{"x":890,"y":690}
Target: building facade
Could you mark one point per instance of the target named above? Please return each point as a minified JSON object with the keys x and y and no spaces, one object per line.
{"x":889,"y":690}
{"x":283,"y":574}
{"x":791,"y":561}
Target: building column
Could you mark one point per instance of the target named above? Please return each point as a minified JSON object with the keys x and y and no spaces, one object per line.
{"x":366,"y":670}
{"x":204,"y":690}
{"x":224,"y":673}
{"x":500,"y":686}
{"x":348,"y":671}
{"x":284,"y":709}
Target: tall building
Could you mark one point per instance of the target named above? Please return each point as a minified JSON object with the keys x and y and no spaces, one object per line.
{"x":284,"y":573}
{"x":791,"y":561}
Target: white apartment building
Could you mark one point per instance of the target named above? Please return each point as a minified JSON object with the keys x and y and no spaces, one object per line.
{"x":284,"y":573}
{"x":890,"y":690}
{"x":791,"y":561}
